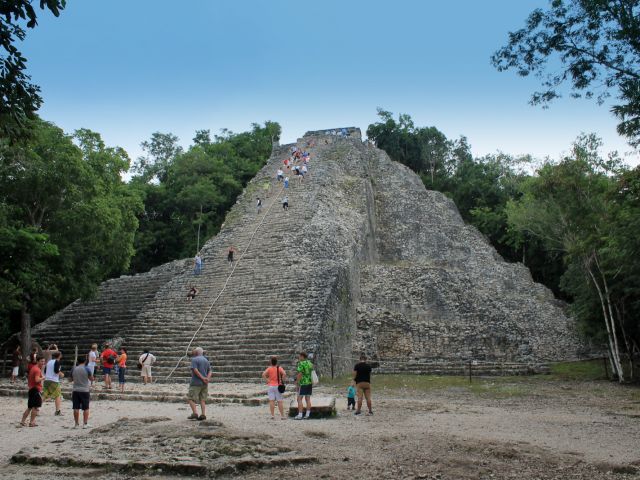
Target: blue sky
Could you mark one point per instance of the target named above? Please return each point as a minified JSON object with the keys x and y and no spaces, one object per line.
{"x":128,"y":68}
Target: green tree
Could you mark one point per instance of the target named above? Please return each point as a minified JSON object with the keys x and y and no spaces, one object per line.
{"x":68,"y":206}
{"x":591,"y":45}
{"x":19,"y":98}
{"x":573,"y":207}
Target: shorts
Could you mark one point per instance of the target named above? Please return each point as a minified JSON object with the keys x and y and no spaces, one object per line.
{"x":35,"y":398}
{"x":121,"y":373}
{"x":305,"y":390}
{"x":80,"y":400}
{"x":51,"y":390}
{"x":145,"y":371}
{"x":363,"y":387}
{"x":107,"y":370}
{"x":198,"y":393}
{"x":274,"y":394}
{"x":15,"y":371}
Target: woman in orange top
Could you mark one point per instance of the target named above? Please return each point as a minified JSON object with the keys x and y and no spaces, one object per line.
{"x":275,"y":376}
{"x":122,"y":367}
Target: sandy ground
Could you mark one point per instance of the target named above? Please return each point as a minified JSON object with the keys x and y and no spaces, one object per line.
{"x":585,"y":431}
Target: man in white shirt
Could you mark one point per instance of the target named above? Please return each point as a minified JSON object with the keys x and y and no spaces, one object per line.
{"x":146,"y":360}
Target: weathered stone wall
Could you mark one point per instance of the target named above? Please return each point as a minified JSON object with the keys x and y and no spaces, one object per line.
{"x":441,"y":292}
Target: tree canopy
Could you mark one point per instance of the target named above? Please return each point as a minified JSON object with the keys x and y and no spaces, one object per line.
{"x":19,"y":98}
{"x":67,"y":219}
{"x":593,"y":46}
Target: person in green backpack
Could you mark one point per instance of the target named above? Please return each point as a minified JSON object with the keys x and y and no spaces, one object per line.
{"x":305,"y":385}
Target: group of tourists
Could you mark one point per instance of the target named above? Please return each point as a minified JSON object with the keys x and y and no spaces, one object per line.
{"x":276,"y":377}
{"x":44,"y":378}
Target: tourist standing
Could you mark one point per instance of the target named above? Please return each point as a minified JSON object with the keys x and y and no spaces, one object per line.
{"x":16,"y":361}
{"x":34,"y":383}
{"x":52,"y":376}
{"x":286,"y":182}
{"x":108,"y":359}
{"x":122,"y":367}
{"x":279,"y":175}
{"x":81,"y":393}
{"x":305,"y":385}
{"x":258,"y":205}
{"x":198,"y":387}
{"x":285,"y":203}
{"x":362,"y":378}
{"x":275,"y":375}
{"x":93,"y":358}
{"x":146,"y":360}
{"x":197,"y":264}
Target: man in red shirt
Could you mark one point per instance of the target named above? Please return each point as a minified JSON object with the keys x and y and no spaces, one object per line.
{"x":108,"y":359}
{"x":34,"y":403}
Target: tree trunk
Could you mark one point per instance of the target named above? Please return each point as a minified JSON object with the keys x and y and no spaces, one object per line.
{"x":25,"y":332}
{"x":616,"y":366}
{"x":612,"y":316}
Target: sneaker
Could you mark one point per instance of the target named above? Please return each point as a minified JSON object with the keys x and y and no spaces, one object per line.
{"x":58,"y":413}
{"x":193,"y":416}
{"x":86,"y":425}
{"x":76,"y":425}
{"x":358,"y":413}
{"x":298,"y":417}
{"x":370,"y":412}
{"x":202,"y":417}
{"x":307,"y":415}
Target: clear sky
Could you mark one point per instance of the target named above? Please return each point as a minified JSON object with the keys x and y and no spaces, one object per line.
{"x":128,"y":68}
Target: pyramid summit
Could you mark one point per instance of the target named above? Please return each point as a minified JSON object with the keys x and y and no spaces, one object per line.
{"x":365,"y":259}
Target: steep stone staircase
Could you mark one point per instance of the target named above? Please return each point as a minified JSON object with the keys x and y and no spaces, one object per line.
{"x":117,"y":304}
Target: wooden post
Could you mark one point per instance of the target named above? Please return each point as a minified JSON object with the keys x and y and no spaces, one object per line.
{"x":332,"y":376}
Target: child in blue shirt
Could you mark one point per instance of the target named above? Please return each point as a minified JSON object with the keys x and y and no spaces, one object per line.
{"x":351,"y":397}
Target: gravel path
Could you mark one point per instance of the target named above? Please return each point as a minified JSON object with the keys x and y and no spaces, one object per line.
{"x":585,"y":431}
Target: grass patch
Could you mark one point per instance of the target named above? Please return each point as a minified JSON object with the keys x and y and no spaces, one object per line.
{"x":587,"y":370}
{"x":498,"y":387}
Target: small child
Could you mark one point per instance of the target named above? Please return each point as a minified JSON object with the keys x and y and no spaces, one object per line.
{"x":351,"y":396}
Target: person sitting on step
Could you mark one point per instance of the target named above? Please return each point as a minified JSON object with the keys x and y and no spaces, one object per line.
{"x":192,"y":293}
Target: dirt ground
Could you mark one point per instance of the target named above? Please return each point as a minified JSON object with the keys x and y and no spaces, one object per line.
{"x":529,"y":430}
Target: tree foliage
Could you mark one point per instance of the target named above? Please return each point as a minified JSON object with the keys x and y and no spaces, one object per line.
{"x":19,"y":98}
{"x":67,"y":219}
{"x":586,"y":207}
{"x":188,"y":193}
{"x":591,"y":45}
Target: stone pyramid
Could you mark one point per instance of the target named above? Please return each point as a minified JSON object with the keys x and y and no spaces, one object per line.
{"x":365,"y":260}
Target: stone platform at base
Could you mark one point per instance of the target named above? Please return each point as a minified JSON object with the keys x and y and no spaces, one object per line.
{"x":321,"y":407}
{"x":250,"y":394}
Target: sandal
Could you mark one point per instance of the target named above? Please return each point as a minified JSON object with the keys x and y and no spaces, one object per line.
{"x":33,"y":424}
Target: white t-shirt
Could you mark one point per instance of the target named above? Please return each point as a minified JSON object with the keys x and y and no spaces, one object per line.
{"x":93,"y":356}
{"x":279,"y":173}
{"x":50,"y":373}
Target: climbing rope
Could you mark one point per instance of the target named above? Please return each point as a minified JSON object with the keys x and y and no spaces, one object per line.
{"x":236,"y":263}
